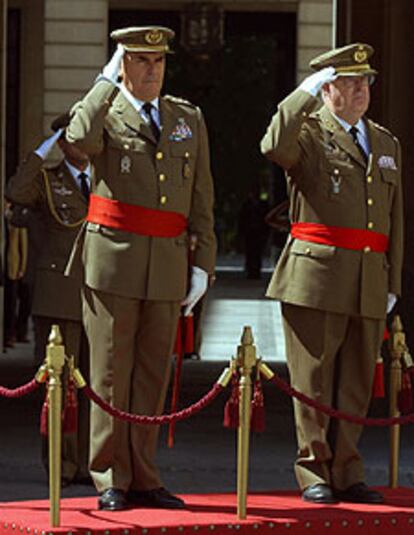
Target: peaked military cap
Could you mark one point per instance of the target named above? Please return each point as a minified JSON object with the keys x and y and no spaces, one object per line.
{"x":349,"y":60}
{"x":61,"y":121}
{"x":144,"y":38}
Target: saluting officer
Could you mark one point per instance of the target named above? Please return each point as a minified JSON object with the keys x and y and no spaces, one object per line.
{"x":340,"y":271}
{"x":59,"y":197}
{"x":153,"y":189}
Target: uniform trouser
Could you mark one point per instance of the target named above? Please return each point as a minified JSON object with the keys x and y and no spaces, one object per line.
{"x":131,"y":343}
{"x":331,"y":358}
{"x":75,"y":446}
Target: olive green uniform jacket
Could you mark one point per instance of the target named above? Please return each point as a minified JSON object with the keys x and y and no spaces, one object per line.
{"x":316,"y":152}
{"x":61,"y":212}
{"x":61,"y":207}
{"x":171,"y":175}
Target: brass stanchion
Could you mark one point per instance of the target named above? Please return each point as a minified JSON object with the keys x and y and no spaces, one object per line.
{"x":55,"y":360}
{"x":397,"y":345}
{"x":246,"y":360}
{"x":400,"y":358}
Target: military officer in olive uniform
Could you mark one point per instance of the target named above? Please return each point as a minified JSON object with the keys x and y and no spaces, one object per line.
{"x":153,"y":189}
{"x":340,"y":271}
{"x":58,"y":196}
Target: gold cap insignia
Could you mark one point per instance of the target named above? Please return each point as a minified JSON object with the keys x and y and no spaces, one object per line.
{"x":360,"y":56}
{"x":153,"y":37}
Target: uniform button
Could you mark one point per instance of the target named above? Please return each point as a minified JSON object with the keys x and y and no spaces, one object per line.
{"x":187,"y":155}
{"x":163,"y":199}
{"x":53,"y":266}
{"x":336,"y":171}
{"x":367,"y":249}
{"x":369,"y":179}
{"x":159,"y":155}
{"x":162,"y":177}
{"x":126,"y":146}
{"x":370,"y":224}
{"x":304,"y":114}
{"x":308,"y":250}
{"x":370,"y":201}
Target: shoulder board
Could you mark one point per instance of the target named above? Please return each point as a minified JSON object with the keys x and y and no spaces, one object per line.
{"x":383,"y":129}
{"x":179,"y":100}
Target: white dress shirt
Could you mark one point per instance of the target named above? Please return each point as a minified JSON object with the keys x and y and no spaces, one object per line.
{"x":362,"y":134}
{"x":75,"y":172}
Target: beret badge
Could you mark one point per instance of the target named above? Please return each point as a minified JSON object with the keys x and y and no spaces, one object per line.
{"x":360,"y":56}
{"x":153,"y":37}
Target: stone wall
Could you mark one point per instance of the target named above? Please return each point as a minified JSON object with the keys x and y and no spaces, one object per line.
{"x":75,"y":50}
{"x":76,"y":40}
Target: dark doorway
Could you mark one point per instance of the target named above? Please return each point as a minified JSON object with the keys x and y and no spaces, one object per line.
{"x":238,"y":89}
{"x":12,"y":90}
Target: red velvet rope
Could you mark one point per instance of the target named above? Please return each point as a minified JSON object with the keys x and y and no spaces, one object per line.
{"x":334,"y":413}
{"x":154,"y":420}
{"x":20,"y":391}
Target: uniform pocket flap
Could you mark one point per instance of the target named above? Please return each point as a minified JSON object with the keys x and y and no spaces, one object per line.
{"x":180,"y":149}
{"x":389,"y":175}
{"x":313,"y":250}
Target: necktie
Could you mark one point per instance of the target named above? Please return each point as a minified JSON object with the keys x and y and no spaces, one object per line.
{"x":354,"y":133}
{"x":147,"y":107}
{"x":84,"y":186}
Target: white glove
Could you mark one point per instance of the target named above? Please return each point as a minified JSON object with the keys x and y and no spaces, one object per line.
{"x":313,"y":83}
{"x":392,"y":299}
{"x":198,"y":287}
{"x":45,"y":147}
{"x":113,"y":67}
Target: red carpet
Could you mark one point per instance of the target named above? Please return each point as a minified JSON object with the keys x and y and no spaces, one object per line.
{"x":276,"y":512}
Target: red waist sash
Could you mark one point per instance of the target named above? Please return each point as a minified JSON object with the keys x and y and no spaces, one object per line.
{"x":135,"y":219}
{"x":346,"y":238}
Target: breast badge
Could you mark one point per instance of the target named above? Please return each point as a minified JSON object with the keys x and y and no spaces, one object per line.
{"x":181,"y":132}
{"x":125,"y":164}
{"x":387,"y":162}
{"x":61,"y":189}
{"x":336,"y":180}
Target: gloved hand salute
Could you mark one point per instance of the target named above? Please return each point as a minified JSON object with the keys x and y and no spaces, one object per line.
{"x":44,"y":148}
{"x":112,"y":69}
{"x":313,"y":83}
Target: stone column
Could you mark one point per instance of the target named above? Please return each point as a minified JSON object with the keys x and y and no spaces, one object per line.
{"x":75,"y":51}
{"x":314,"y":32}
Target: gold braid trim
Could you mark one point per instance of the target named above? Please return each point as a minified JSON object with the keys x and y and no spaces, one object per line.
{"x":52,"y":206}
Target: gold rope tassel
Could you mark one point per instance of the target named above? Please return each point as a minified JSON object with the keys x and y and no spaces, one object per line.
{"x":55,"y":360}
{"x":246,"y":360}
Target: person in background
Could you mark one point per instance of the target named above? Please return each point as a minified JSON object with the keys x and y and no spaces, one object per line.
{"x":59,"y":197}
{"x":254,"y":231}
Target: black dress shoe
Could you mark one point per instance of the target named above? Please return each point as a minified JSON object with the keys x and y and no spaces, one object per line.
{"x":112,"y":500}
{"x":319,"y":493}
{"x":359,"y":493}
{"x":155,"y":498}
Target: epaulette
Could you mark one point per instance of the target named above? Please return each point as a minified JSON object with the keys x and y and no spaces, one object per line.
{"x":383,"y":129}
{"x":179,"y":100}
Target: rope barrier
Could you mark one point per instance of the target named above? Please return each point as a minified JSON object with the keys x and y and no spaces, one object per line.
{"x":340,"y":415}
{"x":154,"y":420}
{"x":20,"y":391}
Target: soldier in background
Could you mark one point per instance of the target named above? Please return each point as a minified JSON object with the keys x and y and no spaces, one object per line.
{"x":59,"y":197}
{"x":153,"y":189}
{"x":340,"y":271}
